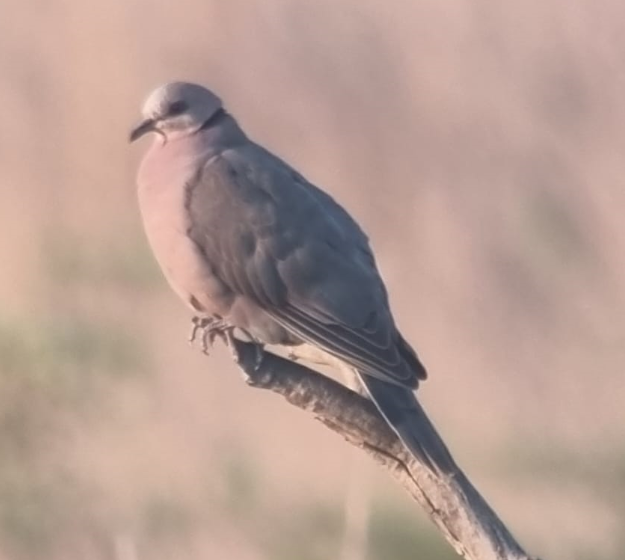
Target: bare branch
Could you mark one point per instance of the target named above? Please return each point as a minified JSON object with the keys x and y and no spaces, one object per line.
{"x":450,"y":500}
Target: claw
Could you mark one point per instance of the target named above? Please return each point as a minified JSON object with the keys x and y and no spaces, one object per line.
{"x":210,"y":334}
{"x":211,"y":328}
{"x":197,"y":324}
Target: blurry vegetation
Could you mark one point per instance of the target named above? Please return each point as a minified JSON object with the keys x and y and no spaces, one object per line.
{"x":165,"y":518}
{"x":306,"y":532}
{"x":554,"y":235}
{"x":42,"y":512}
{"x":396,"y":533}
{"x":308,"y":529}
{"x":52,"y":370}
{"x":601,"y":474}
{"x":69,"y":258}
{"x":479,"y":144}
{"x":314,"y":531}
{"x":240,"y":487}
{"x":61,"y":359}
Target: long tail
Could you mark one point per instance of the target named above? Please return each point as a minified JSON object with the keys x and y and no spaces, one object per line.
{"x":399,"y":406}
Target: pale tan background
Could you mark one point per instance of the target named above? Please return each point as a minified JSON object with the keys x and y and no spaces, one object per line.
{"x":481,"y":146}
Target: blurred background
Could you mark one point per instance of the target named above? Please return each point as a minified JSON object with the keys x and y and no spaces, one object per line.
{"x":480,"y":145}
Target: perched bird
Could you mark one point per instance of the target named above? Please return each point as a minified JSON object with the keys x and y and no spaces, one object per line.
{"x":248,"y":243}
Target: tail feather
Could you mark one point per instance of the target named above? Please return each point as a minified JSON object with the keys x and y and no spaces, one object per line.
{"x":400,"y":408}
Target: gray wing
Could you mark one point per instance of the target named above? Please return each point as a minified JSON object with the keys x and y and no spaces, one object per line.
{"x":289,"y":248}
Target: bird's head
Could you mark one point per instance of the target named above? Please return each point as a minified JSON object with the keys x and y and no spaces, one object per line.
{"x":177,"y":109}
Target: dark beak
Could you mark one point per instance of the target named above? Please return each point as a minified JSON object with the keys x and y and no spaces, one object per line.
{"x":148,"y":125}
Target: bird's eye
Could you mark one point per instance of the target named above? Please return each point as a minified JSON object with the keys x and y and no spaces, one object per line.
{"x":176,"y":108}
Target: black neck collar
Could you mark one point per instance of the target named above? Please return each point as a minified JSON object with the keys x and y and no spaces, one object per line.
{"x":216,"y":118}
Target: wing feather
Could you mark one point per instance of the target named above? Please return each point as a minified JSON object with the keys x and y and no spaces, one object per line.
{"x":290,"y":249}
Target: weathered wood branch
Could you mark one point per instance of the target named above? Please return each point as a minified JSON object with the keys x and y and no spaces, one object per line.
{"x":465,"y":519}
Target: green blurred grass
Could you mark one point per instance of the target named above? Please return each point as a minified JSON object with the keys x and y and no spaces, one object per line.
{"x":52,"y":368}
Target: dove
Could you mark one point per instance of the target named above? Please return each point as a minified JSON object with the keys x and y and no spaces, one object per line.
{"x":251,"y":245}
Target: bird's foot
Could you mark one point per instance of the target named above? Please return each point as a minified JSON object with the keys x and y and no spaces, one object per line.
{"x":208,"y":329}
{"x":248,"y":355}
{"x":197,"y":324}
